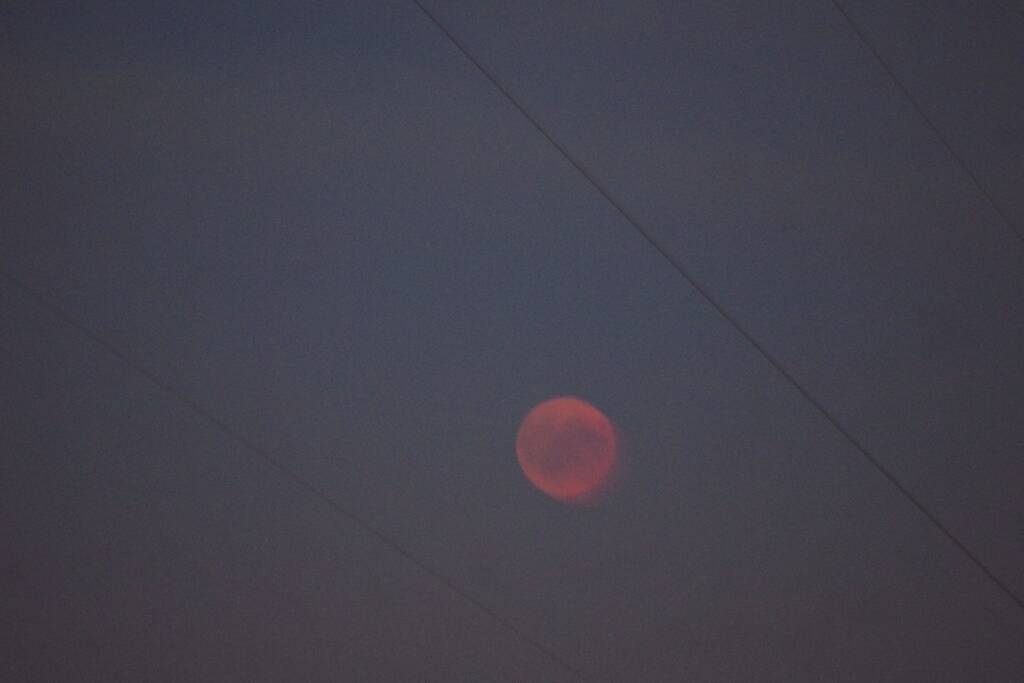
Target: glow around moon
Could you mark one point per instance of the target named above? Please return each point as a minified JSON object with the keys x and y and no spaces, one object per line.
{"x":567,"y":448}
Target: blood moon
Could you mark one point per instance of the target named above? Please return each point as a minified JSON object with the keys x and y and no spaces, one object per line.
{"x":567,"y":449}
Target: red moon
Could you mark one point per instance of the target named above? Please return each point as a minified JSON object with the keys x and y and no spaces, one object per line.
{"x":567,"y":448}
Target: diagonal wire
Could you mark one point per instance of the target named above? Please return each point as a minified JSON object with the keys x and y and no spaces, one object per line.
{"x":862,"y":36}
{"x":728,"y":317}
{"x":303,"y":483}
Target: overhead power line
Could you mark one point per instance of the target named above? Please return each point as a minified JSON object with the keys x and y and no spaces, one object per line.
{"x":862,"y":36}
{"x":281,"y":468}
{"x":721,"y":310}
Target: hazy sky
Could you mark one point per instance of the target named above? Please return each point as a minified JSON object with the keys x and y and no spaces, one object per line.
{"x":352,"y":265}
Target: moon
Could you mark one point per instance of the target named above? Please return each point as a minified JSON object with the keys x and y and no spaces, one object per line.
{"x":567,"y":448}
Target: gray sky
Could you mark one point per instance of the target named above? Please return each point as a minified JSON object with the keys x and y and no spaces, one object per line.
{"x":351,"y":265}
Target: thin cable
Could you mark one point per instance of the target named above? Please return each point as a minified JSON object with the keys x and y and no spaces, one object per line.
{"x":928,"y":120}
{"x":706,"y":294}
{"x":301,"y":482}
